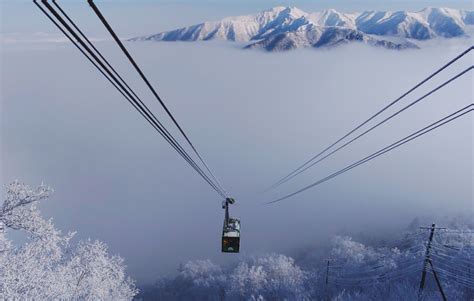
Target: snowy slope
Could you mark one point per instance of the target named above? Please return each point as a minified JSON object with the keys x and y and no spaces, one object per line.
{"x":283,"y":28}
{"x":331,"y":17}
{"x":425,"y":24}
{"x":324,"y":37}
{"x":241,"y":28}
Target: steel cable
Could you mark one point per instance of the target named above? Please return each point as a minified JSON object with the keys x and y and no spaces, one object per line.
{"x":397,"y":144}
{"x":375,"y":115}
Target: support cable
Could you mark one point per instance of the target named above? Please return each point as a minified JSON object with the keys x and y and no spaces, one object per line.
{"x":147,"y":82}
{"x":136,"y":103}
{"x":421,"y":132}
{"x":375,"y":115}
{"x":378,"y":124}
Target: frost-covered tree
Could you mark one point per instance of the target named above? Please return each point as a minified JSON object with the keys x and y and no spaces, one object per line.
{"x":388,"y":269}
{"x":270,"y":277}
{"x":47,"y":267}
{"x":196,"y":280}
{"x":202,"y":273}
{"x":353,"y":251}
{"x":381,"y":272}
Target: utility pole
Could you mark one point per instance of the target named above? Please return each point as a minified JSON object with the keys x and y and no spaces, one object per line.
{"x":469,"y":276}
{"x":438,"y":283}
{"x":326,"y":291}
{"x":427,"y":260}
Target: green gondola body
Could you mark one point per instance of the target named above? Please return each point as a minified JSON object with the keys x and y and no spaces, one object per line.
{"x":231,"y":236}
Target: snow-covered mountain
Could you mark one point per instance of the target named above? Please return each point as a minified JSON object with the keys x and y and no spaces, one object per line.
{"x":284,"y":28}
{"x":422,"y":25}
{"x":329,"y":37}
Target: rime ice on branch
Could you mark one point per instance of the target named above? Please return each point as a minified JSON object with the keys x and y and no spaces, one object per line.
{"x":47,"y":267}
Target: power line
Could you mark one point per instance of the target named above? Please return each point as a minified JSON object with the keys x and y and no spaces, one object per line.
{"x":454,"y":276}
{"x":152,"y":89}
{"x":451,"y":247}
{"x":450,"y":266}
{"x":455,"y":261}
{"x":402,"y":259}
{"x":373,"y":116}
{"x":394,"y":145}
{"x":460,"y":259}
{"x":378,"y":124}
{"x":464,"y":283}
{"x":136,"y":102}
{"x":447,"y":248}
{"x":445,"y":252}
{"x":346,"y":275}
{"x":459,"y":231}
{"x":387,"y":275}
{"x":381,"y":269}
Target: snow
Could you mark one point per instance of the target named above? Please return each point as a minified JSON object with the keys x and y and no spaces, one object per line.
{"x":331,"y":17}
{"x":48,"y":267}
{"x":324,"y":37}
{"x":387,"y":269}
{"x":283,"y":28}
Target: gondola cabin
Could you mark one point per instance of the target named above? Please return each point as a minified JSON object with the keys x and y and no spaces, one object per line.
{"x":231,"y":236}
{"x":231,"y":230}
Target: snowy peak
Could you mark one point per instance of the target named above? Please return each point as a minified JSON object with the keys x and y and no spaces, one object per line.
{"x":285,"y":19}
{"x":425,"y":24}
{"x":241,"y":28}
{"x":444,"y":21}
{"x":282,"y":28}
{"x":287,"y":12}
{"x":399,"y":23}
{"x":331,"y":17}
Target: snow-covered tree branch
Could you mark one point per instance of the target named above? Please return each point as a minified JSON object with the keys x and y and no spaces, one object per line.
{"x":47,"y":266}
{"x":15,"y":212}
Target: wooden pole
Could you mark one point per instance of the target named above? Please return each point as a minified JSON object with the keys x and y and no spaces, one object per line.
{"x":426,"y":263}
{"x":438,"y":283}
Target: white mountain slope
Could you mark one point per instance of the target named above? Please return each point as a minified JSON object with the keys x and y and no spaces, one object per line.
{"x":241,"y":28}
{"x":422,"y":25}
{"x":331,"y":17}
{"x":323,"y":37}
{"x":284,"y":28}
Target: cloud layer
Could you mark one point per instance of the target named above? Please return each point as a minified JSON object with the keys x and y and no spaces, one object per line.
{"x":254,"y":117}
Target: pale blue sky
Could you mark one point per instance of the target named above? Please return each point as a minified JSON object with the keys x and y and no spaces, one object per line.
{"x":146,"y":16}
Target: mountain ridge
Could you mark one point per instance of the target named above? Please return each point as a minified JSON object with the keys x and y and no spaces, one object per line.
{"x":284,"y":28}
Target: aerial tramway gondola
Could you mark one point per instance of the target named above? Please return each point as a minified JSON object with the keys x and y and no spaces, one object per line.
{"x":231,"y":230}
